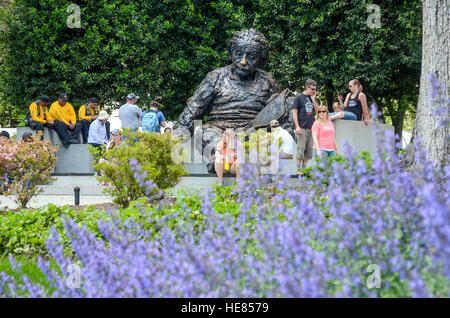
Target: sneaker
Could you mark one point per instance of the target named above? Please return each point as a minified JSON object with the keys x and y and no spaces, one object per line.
{"x":74,"y":141}
{"x":220,"y":183}
{"x":299,"y":172}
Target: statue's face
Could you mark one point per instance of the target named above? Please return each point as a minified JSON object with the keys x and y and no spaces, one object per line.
{"x":245,"y":59}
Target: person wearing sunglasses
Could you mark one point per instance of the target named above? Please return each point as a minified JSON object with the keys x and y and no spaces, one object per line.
{"x":323,"y":135}
{"x":303,"y":115}
{"x":356,"y":102}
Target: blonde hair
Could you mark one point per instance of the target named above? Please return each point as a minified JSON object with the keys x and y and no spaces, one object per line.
{"x":323,"y":108}
{"x":229,"y":133}
{"x":357,"y":83}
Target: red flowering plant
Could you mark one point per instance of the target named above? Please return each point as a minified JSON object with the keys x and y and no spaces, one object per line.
{"x":25,"y":166}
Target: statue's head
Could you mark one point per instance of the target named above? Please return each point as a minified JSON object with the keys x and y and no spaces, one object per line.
{"x":249,"y":50}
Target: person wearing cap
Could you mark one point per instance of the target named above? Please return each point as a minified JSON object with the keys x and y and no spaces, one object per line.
{"x":130,"y":113}
{"x":39,"y":115}
{"x":283,"y":140}
{"x":87,"y":114}
{"x":116,"y":139}
{"x":65,"y":121}
{"x":97,"y":131}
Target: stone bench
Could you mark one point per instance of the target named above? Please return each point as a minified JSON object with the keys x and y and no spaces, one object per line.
{"x":49,"y":134}
{"x":359,"y":136}
{"x":73,"y":160}
{"x":76,"y":159}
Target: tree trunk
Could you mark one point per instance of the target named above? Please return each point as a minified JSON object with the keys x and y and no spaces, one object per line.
{"x":398,"y":125}
{"x":435,"y":59}
{"x":330,"y":100}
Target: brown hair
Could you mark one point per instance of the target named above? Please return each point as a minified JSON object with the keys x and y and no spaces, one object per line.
{"x":357,"y":83}
{"x":321,"y":107}
{"x":154,"y":104}
{"x":310,"y":82}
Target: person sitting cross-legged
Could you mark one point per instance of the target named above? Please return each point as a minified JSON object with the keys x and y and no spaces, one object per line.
{"x":87,"y":114}
{"x":65,"y":121}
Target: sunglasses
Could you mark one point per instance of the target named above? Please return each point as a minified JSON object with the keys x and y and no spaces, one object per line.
{"x":322,"y":111}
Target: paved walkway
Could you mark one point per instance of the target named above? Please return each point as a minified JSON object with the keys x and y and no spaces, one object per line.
{"x":58,"y":200}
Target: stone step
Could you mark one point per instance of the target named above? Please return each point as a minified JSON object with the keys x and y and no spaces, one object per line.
{"x":285,"y":166}
{"x":74,"y":180}
{"x":64,"y":185}
{"x":91,"y":190}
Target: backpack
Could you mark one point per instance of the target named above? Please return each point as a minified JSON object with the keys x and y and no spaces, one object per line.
{"x":28,"y":118}
{"x":150,"y":121}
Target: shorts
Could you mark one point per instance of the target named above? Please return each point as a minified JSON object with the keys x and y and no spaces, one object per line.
{"x":305,"y":144}
{"x":326,"y":153}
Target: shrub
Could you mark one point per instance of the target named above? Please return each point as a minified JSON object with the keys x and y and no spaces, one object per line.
{"x":28,"y":165}
{"x":153,"y":153}
{"x":24,"y":232}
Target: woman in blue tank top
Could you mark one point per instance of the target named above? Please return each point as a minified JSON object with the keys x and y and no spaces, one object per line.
{"x":356,"y":102}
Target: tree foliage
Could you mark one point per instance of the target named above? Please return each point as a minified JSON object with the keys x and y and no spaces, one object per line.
{"x":333,"y":43}
{"x":163,"y":49}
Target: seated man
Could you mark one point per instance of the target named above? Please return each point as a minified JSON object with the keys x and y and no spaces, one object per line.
{"x":97,"y":131}
{"x":39,"y":116}
{"x":233,"y":95}
{"x":97,"y":134}
{"x":65,"y":121}
{"x":87,"y":114}
{"x":341,"y":114}
{"x":283,"y":140}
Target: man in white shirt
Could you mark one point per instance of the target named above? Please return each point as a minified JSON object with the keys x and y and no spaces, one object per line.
{"x":282,"y":139}
{"x":97,"y":131}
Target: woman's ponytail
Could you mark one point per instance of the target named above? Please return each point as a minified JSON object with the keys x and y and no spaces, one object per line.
{"x":356,"y":82}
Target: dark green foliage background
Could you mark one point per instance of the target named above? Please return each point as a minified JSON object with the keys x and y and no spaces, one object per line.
{"x":163,"y":49}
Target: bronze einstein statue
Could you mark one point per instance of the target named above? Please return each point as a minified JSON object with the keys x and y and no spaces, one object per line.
{"x":238,"y":96}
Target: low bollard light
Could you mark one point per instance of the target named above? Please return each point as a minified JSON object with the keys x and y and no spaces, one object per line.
{"x":77,"y":195}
